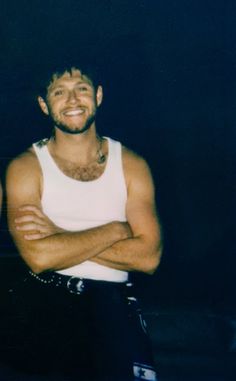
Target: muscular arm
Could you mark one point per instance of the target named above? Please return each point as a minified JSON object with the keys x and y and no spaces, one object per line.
{"x":142,"y":251}
{"x":61,"y":249}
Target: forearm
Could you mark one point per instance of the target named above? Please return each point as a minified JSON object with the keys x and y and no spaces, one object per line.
{"x":132,"y":254}
{"x":66,"y":249}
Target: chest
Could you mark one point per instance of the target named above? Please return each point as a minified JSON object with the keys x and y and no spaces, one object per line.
{"x":85,"y":173}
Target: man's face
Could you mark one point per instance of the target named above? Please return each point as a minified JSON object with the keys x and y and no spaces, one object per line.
{"x":72,"y":102}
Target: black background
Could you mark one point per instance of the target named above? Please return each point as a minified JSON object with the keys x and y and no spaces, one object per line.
{"x":169,"y":94}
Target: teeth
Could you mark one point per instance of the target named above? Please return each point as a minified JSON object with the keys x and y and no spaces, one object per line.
{"x":74,"y":112}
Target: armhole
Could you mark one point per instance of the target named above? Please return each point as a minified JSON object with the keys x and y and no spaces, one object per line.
{"x":41,"y":170}
{"x":122,"y":148}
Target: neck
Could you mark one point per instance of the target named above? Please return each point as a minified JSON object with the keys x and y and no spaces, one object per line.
{"x":80,"y":148}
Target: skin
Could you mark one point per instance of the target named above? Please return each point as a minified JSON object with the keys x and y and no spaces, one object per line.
{"x":134,"y":245}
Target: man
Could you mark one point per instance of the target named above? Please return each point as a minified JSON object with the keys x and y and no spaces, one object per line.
{"x":81,"y":211}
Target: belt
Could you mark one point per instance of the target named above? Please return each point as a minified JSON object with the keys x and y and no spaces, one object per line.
{"x":74,"y":285}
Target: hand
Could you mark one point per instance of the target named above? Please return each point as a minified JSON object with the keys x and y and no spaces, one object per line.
{"x":33,"y":221}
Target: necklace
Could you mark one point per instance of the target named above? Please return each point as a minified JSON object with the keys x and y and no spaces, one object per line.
{"x":101,"y":157}
{"x":89,"y":172}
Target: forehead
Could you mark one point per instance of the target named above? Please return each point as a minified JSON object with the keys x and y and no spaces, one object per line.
{"x":68,"y":78}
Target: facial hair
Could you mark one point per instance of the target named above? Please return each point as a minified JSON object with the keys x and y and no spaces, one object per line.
{"x":76,"y":130}
{"x":65,"y":128}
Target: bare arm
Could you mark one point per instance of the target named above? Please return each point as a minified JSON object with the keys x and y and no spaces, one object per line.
{"x":142,"y":251}
{"x":139,"y":252}
{"x":60,"y":249}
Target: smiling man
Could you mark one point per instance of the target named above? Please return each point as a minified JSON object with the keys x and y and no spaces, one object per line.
{"x":70,"y":116}
{"x":82,"y":214}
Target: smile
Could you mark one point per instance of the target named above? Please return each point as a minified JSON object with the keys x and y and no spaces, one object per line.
{"x":74,"y":112}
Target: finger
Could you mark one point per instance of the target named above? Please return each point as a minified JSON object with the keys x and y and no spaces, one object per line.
{"x":32,"y":237}
{"x":32,"y":226}
{"x":29,"y":218}
{"x":31,"y":208}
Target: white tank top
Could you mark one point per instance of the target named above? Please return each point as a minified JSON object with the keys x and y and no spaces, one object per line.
{"x":77,"y":205}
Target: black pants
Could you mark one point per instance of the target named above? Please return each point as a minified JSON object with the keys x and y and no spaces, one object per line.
{"x":98,"y":335}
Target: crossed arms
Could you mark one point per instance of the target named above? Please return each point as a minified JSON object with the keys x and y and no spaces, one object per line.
{"x":131,"y":246}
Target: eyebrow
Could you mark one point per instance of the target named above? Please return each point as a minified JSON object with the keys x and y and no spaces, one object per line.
{"x":63,"y":86}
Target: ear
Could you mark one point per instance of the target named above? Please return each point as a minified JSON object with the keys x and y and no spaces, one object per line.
{"x":43,"y":105}
{"x":99,"y":95}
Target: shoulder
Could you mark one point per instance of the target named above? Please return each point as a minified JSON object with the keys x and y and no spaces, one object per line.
{"x":136,"y":168}
{"x":133,"y":161}
{"x":26,"y":161}
{"x":24,"y":172}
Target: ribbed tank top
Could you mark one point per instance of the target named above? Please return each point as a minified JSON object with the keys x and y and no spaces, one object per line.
{"x":77,"y":205}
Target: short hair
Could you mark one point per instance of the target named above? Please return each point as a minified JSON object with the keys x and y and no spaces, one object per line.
{"x":45,"y":77}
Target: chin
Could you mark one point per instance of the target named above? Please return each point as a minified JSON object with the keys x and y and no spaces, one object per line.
{"x":75,"y":129}
{"x":72,"y":130}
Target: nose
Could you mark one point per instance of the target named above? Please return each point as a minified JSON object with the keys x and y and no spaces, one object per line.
{"x":72,"y":97}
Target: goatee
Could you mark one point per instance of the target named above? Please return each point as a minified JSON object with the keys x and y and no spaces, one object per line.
{"x":74,"y":131}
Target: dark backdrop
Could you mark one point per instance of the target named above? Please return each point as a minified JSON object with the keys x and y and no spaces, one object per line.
{"x":169,"y":81}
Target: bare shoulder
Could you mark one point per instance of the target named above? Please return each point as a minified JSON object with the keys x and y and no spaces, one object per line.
{"x":135,"y":167}
{"x":24,"y":178}
{"x":24,"y":164}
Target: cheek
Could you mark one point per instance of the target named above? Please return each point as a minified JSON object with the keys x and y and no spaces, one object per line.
{"x":93,"y":103}
{"x":54,"y":107}
{"x":53,"y":113}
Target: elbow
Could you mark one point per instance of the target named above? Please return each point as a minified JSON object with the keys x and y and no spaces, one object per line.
{"x":35,"y":265}
{"x":37,"y":268}
{"x":152,"y":265}
{"x":152,"y":261}
{"x":33,"y":253}
{"x":35,"y":262}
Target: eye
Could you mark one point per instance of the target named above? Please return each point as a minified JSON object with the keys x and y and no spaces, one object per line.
{"x":83,"y":88}
{"x":58,"y":92}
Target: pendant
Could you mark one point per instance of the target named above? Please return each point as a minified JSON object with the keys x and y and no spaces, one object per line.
{"x":101,"y":159}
